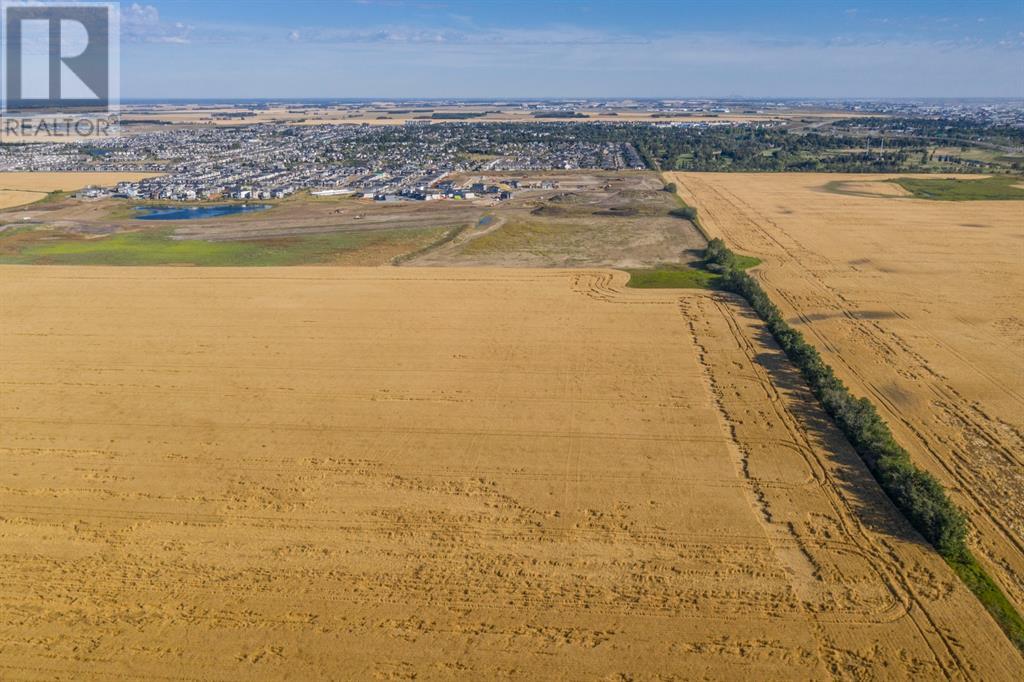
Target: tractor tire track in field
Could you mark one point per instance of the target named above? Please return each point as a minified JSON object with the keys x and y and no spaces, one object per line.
{"x":911,"y":587}
{"x":905,"y":602}
{"x":388,"y":472}
{"x":979,"y":456}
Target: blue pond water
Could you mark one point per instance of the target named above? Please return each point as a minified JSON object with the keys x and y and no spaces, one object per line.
{"x":195,"y":212}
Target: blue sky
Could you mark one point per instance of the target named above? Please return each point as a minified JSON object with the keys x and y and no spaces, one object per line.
{"x":522,"y":48}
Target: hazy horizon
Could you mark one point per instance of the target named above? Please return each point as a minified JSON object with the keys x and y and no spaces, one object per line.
{"x":592,"y":98}
{"x":458,"y":50}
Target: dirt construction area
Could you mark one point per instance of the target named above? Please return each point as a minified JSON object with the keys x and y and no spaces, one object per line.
{"x":466,"y":473}
{"x":616,"y":219}
{"x":917,"y":305}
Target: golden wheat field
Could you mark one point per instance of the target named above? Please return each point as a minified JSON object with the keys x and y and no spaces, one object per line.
{"x":349,"y":473}
{"x":917,"y":305}
{"x":24,"y":187}
{"x":10,"y":197}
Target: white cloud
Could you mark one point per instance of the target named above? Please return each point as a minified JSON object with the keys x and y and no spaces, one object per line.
{"x":142,"y":24}
{"x":563,"y":60}
{"x":140,"y":15}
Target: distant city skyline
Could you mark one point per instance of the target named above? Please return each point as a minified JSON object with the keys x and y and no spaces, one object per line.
{"x":423,"y":49}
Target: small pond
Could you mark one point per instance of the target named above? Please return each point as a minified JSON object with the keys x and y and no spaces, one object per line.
{"x":195,"y":212}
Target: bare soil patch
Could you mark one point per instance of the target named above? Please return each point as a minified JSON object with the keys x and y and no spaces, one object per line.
{"x":608,"y":220}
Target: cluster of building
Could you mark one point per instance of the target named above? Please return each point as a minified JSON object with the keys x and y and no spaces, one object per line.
{"x":411,"y":161}
{"x":998,"y":112}
{"x":270,"y":161}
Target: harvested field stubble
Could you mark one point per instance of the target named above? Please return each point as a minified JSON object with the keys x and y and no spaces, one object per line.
{"x":19,"y":188}
{"x":915,"y":303}
{"x":10,"y":198}
{"x":53,"y":181}
{"x":348,"y":473}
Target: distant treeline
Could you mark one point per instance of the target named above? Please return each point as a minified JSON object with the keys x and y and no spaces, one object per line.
{"x":459,"y":115}
{"x":147,"y":122}
{"x":559,"y":114}
{"x":667,"y":147}
{"x":684,"y":114}
{"x":939,"y":131}
{"x":718,"y":148}
{"x":761,"y":148}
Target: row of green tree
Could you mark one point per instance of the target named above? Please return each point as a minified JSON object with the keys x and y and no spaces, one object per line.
{"x":857,"y":148}
{"x":915,"y":492}
{"x":941,"y":131}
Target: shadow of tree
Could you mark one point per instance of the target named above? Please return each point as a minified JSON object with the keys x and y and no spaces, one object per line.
{"x":847,"y":471}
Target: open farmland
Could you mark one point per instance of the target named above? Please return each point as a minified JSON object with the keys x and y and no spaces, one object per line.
{"x":19,"y":188}
{"x":386,"y":114}
{"x":916,"y":304}
{"x":477,"y":473}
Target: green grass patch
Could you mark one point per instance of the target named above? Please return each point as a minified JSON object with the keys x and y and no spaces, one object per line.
{"x":53,"y":197}
{"x":744,"y":262}
{"x":536,"y":236}
{"x":998,"y":187}
{"x":155,"y":247}
{"x":123,"y":211}
{"x":693,"y":276}
{"x":436,"y":244}
{"x":680,"y":277}
{"x":989,"y":594}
